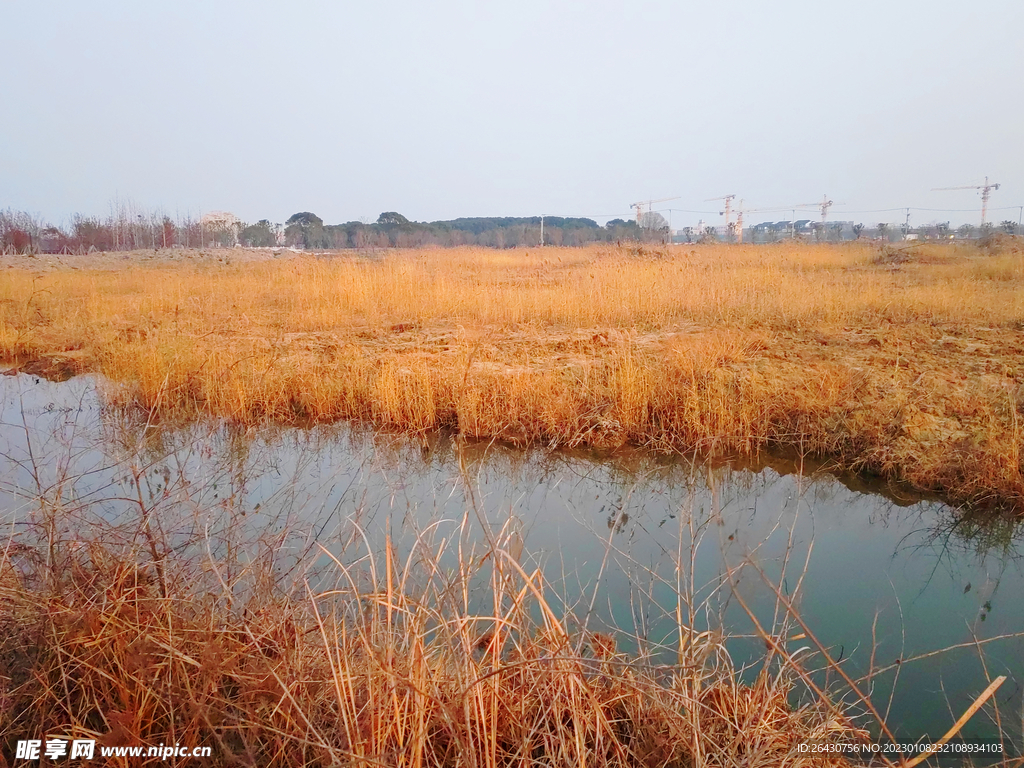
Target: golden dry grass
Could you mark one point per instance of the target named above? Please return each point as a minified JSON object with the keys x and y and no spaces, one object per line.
{"x":902,"y":363}
{"x":387,"y":666}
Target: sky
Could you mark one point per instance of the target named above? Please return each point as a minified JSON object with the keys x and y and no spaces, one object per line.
{"x":447,"y":109}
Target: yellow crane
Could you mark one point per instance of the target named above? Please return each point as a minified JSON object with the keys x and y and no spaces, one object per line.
{"x":728,"y":210}
{"x":649,"y":203}
{"x":986,"y":191}
{"x":824,"y":205}
{"x":740,"y":210}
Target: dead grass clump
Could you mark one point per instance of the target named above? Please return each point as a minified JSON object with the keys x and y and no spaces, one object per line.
{"x":385,"y":662}
{"x":922,"y":252}
{"x":889,"y":255}
{"x":998,"y":243}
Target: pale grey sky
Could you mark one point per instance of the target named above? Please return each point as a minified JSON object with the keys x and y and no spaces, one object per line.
{"x":447,"y":109}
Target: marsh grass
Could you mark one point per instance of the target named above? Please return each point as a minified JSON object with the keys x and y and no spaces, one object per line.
{"x":441,"y":652}
{"x":449,"y":648}
{"x":395,"y":671}
{"x":899,"y":362}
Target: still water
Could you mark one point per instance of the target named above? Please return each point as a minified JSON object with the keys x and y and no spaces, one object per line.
{"x":880,"y":581}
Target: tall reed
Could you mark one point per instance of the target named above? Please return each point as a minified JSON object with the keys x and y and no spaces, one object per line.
{"x":446,"y":655}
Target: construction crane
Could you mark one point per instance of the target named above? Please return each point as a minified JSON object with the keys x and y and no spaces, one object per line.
{"x":640,"y":206}
{"x":728,"y":209}
{"x":740,"y":210}
{"x":824,"y":205}
{"x":986,"y":191}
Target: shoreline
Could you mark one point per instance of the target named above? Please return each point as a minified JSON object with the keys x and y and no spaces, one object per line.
{"x":909,"y":373}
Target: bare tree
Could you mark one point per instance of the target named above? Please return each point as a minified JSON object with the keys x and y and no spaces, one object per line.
{"x":654,"y":221}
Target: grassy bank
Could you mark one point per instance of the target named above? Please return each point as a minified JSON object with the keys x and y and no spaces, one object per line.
{"x":901,"y":362}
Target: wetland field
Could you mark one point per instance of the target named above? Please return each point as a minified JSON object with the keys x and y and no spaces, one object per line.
{"x":607,"y":506}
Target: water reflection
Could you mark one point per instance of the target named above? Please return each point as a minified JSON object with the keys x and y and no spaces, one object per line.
{"x":883,"y":581}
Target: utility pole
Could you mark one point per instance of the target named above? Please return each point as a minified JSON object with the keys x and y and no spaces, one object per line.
{"x":542,"y":230}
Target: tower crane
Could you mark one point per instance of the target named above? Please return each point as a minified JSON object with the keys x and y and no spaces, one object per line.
{"x":824,"y":205}
{"x":640,"y":206}
{"x":986,"y":191}
{"x":728,"y":209}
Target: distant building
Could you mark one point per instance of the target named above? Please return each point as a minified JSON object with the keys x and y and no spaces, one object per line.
{"x":220,"y":220}
{"x":222,"y":227}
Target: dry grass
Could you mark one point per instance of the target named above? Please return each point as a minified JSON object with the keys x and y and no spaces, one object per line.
{"x":387,"y":663}
{"x":901,"y":363}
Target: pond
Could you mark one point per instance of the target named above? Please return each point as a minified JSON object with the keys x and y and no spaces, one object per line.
{"x":910,"y":590}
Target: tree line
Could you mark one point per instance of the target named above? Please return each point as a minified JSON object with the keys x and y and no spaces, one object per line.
{"x":392,"y":229}
{"x":128,"y":227}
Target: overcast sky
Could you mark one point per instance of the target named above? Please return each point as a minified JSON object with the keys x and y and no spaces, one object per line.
{"x":446,"y":109}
